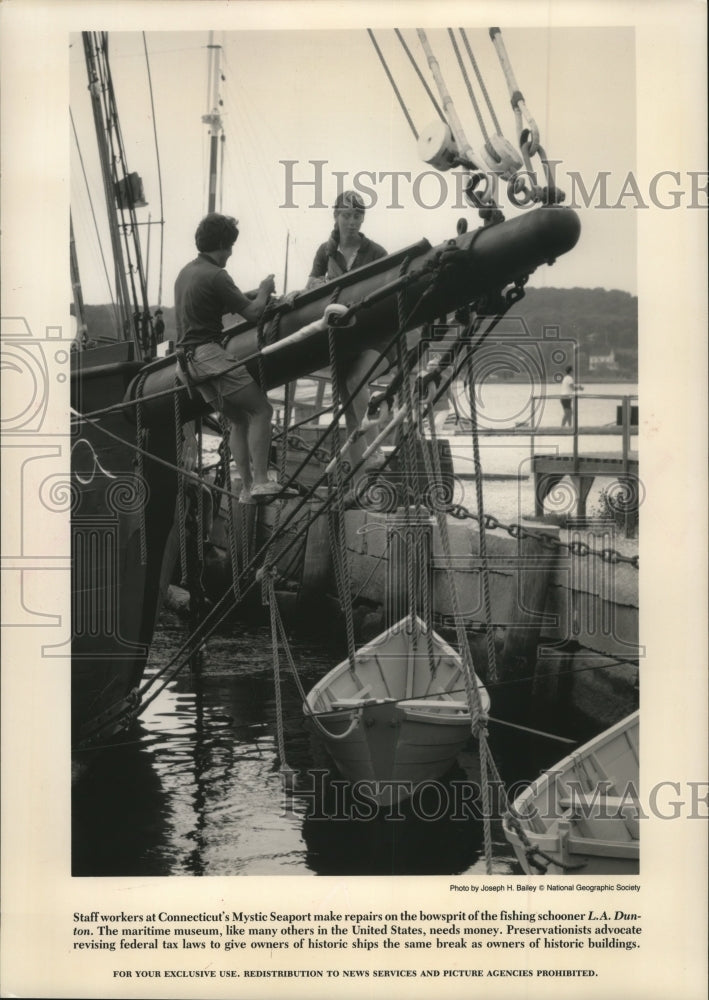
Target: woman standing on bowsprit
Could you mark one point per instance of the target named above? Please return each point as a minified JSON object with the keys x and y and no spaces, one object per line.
{"x":346,"y":249}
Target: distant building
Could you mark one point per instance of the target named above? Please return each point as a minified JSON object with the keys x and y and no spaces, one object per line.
{"x":607,"y":361}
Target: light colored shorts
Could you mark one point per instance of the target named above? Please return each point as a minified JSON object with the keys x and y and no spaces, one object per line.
{"x":216,"y":375}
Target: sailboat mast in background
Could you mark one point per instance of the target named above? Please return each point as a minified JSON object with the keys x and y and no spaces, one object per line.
{"x":213,"y":119}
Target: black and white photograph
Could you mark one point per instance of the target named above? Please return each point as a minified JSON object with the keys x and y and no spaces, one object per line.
{"x":354,"y":543}
{"x":428,"y":445}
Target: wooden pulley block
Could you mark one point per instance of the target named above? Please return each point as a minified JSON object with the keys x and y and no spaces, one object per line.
{"x":501,"y":157}
{"x":437,"y":146}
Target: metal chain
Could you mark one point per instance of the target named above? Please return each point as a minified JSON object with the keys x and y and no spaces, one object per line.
{"x":296,"y":442}
{"x":577,"y":548}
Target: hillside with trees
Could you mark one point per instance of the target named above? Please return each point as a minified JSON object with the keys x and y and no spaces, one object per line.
{"x":602,"y":324}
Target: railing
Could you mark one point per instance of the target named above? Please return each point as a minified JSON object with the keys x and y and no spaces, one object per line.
{"x":625,"y":428}
{"x":318,"y":398}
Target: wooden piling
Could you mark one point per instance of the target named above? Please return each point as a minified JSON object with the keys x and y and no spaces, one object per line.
{"x":409,"y":540}
{"x":524,"y":616}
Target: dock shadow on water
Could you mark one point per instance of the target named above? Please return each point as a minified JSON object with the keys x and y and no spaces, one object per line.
{"x":196,"y":787}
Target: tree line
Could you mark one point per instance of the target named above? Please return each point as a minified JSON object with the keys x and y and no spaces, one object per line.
{"x":600,"y":324}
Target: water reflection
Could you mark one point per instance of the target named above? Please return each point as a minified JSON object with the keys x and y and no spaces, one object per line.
{"x":197,"y":788}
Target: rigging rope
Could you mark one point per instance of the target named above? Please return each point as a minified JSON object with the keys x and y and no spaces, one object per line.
{"x":218,"y":613}
{"x":482,"y":534}
{"x":336,"y":522}
{"x":468,"y":85}
{"x":483,"y":88}
{"x":393,"y":84}
{"x":421,"y":77}
{"x":451,"y":114}
{"x":140,"y":434}
{"x":231,"y":515}
{"x":270,"y":595}
{"x":516,"y":98}
{"x":181,"y":526}
{"x":157,"y":158}
{"x":93,"y":216}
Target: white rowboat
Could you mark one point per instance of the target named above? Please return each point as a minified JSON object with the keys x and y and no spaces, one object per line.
{"x":393,"y":723}
{"x":581,"y":816}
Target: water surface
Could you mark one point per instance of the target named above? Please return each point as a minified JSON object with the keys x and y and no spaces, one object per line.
{"x":196,"y":788}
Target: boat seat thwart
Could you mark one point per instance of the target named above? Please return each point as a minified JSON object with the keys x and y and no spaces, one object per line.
{"x":426,"y":705}
{"x":604,"y":807}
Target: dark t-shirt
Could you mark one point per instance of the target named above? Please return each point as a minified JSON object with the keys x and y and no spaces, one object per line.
{"x":204,"y":292}
{"x":330,"y":263}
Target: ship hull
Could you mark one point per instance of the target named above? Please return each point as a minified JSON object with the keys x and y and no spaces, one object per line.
{"x":120,"y":523}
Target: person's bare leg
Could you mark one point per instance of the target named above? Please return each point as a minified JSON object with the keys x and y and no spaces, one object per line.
{"x":254,"y":404}
{"x":238,"y":442}
{"x":356,"y":408}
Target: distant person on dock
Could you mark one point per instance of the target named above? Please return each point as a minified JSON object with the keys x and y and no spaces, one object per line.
{"x":345,"y":250}
{"x":569,"y":388}
{"x":204,"y":293}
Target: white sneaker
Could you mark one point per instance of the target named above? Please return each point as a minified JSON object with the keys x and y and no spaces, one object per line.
{"x":269,"y":489}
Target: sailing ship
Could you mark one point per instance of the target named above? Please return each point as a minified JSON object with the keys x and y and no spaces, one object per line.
{"x":129,"y":406}
{"x":119,"y":527}
{"x":581,"y":817}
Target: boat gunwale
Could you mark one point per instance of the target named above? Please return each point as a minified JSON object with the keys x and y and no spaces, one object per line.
{"x":519,"y":809}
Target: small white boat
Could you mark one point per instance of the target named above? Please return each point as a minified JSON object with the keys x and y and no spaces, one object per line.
{"x":581,"y":816}
{"x":393,"y":722}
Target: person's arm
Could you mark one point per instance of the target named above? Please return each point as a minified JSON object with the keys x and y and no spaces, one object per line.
{"x":234,"y":300}
{"x":318,"y":272}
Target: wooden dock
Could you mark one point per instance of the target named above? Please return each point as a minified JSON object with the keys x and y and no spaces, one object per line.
{"x":549,"y":470}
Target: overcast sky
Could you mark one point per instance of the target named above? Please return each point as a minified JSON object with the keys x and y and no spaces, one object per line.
{"x":323,"y":96}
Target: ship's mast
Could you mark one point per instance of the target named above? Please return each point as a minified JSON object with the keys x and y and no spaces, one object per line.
{"x":213,"y":119}
{"x":95,"y":91}
{"x":124,"y":193}
{"x":76,"y":289}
